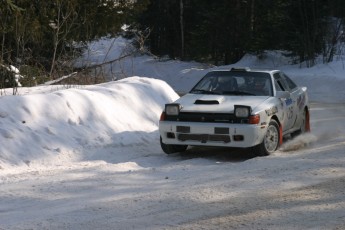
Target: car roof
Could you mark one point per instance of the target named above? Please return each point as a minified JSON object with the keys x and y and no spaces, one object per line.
{"x":247,"y":69}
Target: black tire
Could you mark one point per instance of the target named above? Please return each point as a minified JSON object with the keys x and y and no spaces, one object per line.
{"x":270,"y":142}
{"x":169,"y":149}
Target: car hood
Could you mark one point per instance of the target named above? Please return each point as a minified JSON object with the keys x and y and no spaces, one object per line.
{"x":217,"y":103}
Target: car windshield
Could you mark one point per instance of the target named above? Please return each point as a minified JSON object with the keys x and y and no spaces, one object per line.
{"x":235,"y":83}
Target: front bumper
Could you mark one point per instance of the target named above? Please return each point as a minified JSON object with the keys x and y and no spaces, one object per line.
{"x":211,"y":134}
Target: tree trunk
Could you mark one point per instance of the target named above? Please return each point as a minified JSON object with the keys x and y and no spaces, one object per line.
{"x":182,"y":29}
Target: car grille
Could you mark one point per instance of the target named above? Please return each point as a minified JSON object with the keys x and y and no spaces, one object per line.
{"x":207,"y":117}
{"x":203,"y":138}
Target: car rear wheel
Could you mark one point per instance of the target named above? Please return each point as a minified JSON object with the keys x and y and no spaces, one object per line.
{"x":169,"y":149}
{"x":270,"y":142}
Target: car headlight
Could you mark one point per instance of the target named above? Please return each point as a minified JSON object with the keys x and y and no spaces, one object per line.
{"x":242,"y":111}
{"x":172,"y":109}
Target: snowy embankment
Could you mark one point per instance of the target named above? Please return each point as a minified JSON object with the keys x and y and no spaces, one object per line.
{"x":53,"y":128}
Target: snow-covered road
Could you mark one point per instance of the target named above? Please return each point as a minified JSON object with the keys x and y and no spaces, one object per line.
{"x":301,"y":186}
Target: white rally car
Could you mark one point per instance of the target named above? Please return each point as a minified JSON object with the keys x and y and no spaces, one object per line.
{"x":240,"y":107}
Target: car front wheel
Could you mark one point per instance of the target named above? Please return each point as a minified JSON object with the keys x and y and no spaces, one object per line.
{"x":169,"y":149}
{"x":270,"y":142}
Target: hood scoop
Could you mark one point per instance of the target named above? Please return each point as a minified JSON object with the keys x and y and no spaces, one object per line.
{"x":206,"y":102}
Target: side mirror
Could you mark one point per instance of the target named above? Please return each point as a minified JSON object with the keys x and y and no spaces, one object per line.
{"x":283,"y":94}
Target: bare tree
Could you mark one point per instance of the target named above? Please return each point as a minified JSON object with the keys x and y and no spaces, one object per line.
{"x":182,"y":28}
{"x":61,"y":26}
{"x":334,"y":39}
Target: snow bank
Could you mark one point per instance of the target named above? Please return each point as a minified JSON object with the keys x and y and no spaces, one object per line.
{"x":55,"y":127}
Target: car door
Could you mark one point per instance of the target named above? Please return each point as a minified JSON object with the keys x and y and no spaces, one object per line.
{"x":290,"y":103}
{"x":297,"y":95}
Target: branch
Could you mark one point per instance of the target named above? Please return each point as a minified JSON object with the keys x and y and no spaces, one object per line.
{"x":105,"y":63}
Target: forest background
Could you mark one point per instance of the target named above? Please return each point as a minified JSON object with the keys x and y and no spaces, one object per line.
{"x":41,"y":39}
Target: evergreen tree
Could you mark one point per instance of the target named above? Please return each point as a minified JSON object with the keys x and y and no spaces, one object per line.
{"x":223,"y":31}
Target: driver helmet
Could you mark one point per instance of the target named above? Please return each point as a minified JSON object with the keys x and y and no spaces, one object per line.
{"x":259,"y":83}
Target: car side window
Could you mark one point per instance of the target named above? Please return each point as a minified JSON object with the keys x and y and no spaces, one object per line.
{"x":278,"y":87}
{"x":279,"y":83}
{"x":290,"y":83}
